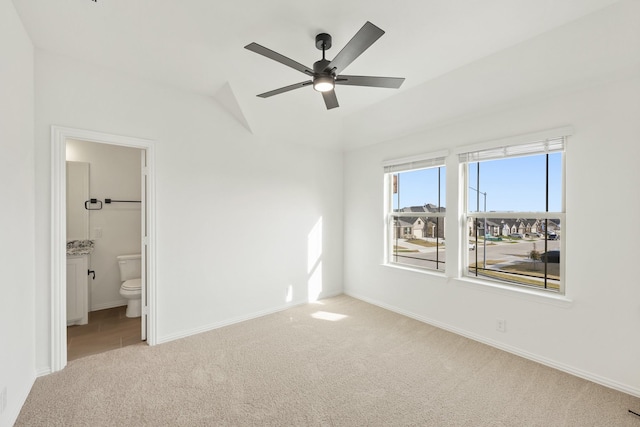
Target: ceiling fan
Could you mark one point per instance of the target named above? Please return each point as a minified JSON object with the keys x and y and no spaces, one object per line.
{"x":325,"y":74}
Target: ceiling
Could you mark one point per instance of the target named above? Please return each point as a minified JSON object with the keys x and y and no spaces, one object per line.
{"x":197,"y":45}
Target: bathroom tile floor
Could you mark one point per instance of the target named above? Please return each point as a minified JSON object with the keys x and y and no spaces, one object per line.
{"x":107,"y":330}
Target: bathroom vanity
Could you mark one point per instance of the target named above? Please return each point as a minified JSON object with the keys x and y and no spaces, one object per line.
{"x":77,"y":290}
{"x":78,"y":252}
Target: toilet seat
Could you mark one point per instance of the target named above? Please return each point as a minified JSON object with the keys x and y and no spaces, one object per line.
{"x":131,"y":285}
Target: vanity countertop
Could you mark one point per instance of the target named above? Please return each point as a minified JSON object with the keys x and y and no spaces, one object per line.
{"x":80,"y":247}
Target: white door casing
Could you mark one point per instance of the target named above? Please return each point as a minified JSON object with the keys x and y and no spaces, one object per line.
{"x":143,"y":244}
{"x":59,"y":137}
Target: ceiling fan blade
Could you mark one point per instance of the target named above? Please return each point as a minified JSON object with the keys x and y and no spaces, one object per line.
{"x":365,"y":37}
{"x":255,"y":47}
{"x":285,"y":89}
{"x":389,"y":82}
{"x":330,"y":99}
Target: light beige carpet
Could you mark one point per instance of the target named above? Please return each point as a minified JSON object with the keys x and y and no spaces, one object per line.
{"x":339,"y":362}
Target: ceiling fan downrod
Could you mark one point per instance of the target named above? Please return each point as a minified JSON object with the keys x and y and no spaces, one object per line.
{"x":323,"y":80}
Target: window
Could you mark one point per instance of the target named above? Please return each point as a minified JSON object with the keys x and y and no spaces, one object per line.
{"x":415,"y":205}
{"x":514,"y":210}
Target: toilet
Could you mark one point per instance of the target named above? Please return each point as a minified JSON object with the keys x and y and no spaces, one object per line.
{"x":130,"y":272}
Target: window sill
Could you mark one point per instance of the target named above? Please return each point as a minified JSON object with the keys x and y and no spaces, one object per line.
{"x":514,"y":291}
{"x":416,"y":270}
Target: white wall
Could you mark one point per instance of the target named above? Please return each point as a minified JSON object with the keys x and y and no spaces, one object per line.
{"x":593,"y":335}
{"x":17,"y":315}
{"x":233,"y":213}
{"x":114,"y":173}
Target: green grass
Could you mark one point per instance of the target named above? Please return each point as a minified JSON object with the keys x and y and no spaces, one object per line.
{"x":397,"y":249}
{"x":424,"y":243}
{"x":553,"y":269}
{"x":524,"y":280}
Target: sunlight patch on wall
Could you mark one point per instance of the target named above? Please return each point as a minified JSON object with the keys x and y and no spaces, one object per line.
{"x":289,"y":296}
{"x":314,"y":246}
{"x":314,"y":284}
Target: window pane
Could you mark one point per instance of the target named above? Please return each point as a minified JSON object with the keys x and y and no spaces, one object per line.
{"x":418,"y":242}
{"x":516,"y":250}
{"x":419,"y":188}
{"x":516,"y":184}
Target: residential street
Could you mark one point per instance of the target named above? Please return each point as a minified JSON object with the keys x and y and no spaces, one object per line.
{"x":507,"y":251}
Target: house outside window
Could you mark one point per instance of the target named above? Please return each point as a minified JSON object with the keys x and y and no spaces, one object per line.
{"x":514,"y":209}
{"x":415,"y":212}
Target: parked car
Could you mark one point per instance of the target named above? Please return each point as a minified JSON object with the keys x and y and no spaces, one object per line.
{"x":552,"y":236}
{"x":515,"y":235}
{"x":472,"y":246}
{"x":551,"y":256}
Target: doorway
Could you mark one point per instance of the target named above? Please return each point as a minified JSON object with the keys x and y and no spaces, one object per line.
{"x":60,"y":137}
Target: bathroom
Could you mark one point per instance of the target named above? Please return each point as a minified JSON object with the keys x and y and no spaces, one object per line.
{"x":97,"y":174}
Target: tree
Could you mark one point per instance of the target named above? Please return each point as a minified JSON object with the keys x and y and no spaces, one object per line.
{"x":535,"y":256}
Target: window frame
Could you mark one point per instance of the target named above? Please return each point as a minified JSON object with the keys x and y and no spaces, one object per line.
{"x":457,"y":212}
{"x":394,"y":167}
{"x":468,"y":215}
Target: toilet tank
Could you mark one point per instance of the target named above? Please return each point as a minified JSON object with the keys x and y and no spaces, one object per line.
{"x":130,"y":267}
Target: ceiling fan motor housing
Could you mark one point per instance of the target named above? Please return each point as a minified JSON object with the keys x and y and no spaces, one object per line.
{"x":320,"y":67}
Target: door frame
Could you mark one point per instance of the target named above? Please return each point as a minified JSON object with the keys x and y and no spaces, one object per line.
{"x":59,"y":137}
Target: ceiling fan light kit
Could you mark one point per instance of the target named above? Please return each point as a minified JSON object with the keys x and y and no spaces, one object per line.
{"x":323,"y":83}
{"x":326,"y":74}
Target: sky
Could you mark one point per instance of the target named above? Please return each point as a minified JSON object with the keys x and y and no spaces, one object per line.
{"x":511,"y":184}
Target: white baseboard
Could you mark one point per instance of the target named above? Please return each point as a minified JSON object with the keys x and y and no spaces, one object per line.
{"x":228,"y":322}
{"x":510,"y":349}
{"x":41,"y":372}
{"x":110,"y":304}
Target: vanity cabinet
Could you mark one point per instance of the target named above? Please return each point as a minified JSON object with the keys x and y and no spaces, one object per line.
{"x":77,"y":290}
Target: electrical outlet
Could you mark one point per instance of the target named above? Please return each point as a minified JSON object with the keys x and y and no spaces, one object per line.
{"x":501,"y":325}
{"x":3,"y":399}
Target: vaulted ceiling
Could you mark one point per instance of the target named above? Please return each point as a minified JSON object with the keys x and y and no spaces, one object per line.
{"x":197,"y":45}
